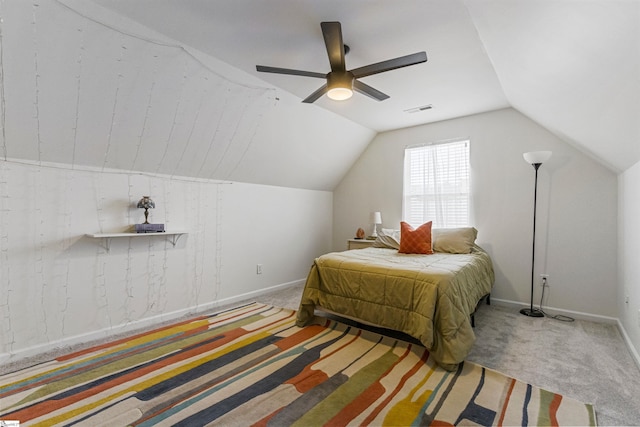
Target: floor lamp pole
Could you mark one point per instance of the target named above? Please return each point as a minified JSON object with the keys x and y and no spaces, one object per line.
{"x":532,"y":312}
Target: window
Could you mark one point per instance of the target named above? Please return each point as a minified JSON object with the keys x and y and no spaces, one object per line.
{"x":436,"y":184}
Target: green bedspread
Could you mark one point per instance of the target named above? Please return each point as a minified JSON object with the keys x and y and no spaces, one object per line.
{"x":429,"y":297}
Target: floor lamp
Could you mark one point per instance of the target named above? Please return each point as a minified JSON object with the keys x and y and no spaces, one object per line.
{"x":535,"y":158}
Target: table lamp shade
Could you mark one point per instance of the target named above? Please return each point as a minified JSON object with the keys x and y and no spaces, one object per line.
{"x":375,"y":218}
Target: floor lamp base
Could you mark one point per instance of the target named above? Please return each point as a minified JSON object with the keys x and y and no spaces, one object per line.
{"x":531,"y":312}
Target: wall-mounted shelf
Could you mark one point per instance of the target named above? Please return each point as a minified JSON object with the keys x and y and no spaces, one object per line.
{"x":171,"y":236}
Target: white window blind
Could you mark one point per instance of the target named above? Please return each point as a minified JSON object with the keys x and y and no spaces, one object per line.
{"x":436,"y":185}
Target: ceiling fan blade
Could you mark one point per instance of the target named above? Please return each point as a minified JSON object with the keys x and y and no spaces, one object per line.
{"x":391,"y":64}
{"x":365,"y":89}
{"x":332,"y":33}
{"x":276,"y":70}
{"x":315,"y":95}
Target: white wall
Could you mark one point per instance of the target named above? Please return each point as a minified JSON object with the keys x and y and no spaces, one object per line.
{"x":577,"y":207}
{"x":629,"y":233}
{"x":58,"y":287}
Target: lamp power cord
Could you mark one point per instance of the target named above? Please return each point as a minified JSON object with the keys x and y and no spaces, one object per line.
{"x":559,"y":317}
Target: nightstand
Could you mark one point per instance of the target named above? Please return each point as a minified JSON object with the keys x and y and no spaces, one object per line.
{"x":359,"y":243}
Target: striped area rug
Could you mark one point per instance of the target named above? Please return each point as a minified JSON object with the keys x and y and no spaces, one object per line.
{"x":252,"y":366}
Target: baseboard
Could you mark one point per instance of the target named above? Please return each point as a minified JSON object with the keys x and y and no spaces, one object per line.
{"x":59,"y":346}
{"x":552,"y":310}
{"x":630,"y":346}
{"x":257,"y":293}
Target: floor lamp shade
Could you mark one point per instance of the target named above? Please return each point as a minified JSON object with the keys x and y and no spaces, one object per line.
{"x":535,"y":158}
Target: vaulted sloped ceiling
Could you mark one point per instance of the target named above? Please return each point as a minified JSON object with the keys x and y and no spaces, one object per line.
{"x":84,"y":87}
{"x":170,"y":87}
{"x":571,"y":65}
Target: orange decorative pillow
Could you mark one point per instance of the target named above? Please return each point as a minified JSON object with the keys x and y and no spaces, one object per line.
{"x":416,"y":241}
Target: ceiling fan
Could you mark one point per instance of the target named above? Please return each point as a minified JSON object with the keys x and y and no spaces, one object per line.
{"x":340,"y":82}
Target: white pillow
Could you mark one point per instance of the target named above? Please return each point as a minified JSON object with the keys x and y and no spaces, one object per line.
{"x":387,"y":238}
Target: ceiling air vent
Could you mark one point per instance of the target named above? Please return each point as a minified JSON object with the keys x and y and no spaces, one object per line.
{"x":418,"y":109}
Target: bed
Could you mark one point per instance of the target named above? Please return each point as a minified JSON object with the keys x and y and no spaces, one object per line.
{"x":429,"y":297}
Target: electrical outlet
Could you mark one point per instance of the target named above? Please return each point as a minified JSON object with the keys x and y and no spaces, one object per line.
{"x":259,"y":269}
{"x":638,"y":317}
{"x":544,"y":280}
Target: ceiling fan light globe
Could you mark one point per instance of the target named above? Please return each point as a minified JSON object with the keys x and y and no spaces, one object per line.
{"x":339,"y":93}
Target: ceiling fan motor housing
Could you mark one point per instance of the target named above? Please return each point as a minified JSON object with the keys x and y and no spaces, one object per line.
{"x":340,"y":79}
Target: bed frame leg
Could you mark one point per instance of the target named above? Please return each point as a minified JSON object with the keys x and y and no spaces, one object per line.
{"x":487,"y":297}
